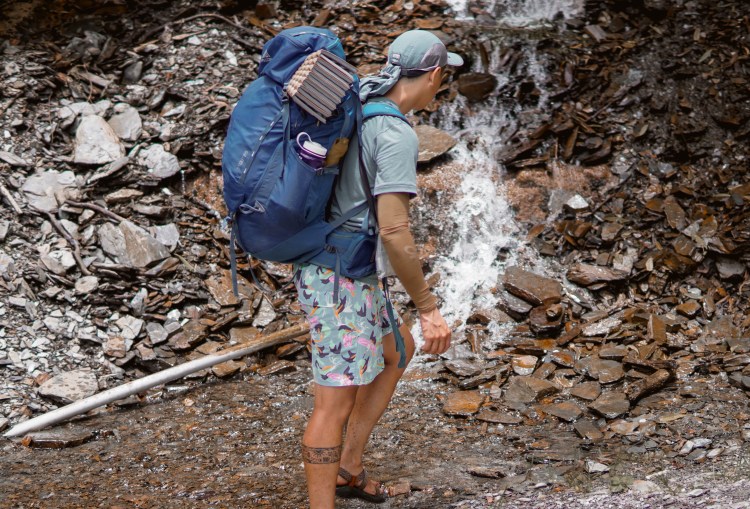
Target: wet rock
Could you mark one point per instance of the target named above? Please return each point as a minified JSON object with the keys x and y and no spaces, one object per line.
{"x":69,"y":387}
{"x":603,"y":370}
{"x":588,"y":430}
{"x":160,"y":163}
{"x":226,"y":369}
{"x":126,"y":122}
{"x":715,"y":334}
{"x":613,"y":352}
{"x":528,"y":389}
{"x":602,"y":327}
{"x":587,"y":390}
{"x":610,"y":405}
{"x":586,"y":275}
{"x":531,"y":287}
{"x":433,"y":142}
{"x":567,"y":410}
{"x":96,"y":142}
{"x":463,"y":403}
{"x":476,"y":86}
{"x":57,"y":439}
{"x":524,"y":364}
{"x":497,"y":417}
{"x":464,"y":367}
{"x":730,"y":268}
{"x":545,"y":321}
{"x":564,"y":358}
{"x":400,"y":488}
{"x":515,"y":307}
{"x":131,"y":245}
{"x":689,"y":308}
{"x":191,"y":334}
{"x":645,"y":386}
{"x":276,"y":367}
{"x":48,"y":190}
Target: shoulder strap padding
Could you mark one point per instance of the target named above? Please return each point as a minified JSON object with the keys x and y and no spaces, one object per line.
{"x":380,"y":109}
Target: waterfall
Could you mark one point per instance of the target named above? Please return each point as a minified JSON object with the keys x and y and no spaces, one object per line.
{"x":521,"y":13}
{"x":480,"y":220}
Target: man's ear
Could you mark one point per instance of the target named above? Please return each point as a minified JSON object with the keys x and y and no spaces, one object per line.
{"x":436,"y":75}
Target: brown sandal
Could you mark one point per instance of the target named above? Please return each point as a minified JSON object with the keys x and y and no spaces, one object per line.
{"x":355,"y":488}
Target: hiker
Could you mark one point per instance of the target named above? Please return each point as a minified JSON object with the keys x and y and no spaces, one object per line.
{"x":354,"y":355}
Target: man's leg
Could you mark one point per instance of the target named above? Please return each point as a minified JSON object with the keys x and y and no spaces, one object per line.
{"x":321,"y":444}
{"x":371,"y":401}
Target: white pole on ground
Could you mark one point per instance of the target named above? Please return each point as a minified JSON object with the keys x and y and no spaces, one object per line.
{"x":136,"y":386}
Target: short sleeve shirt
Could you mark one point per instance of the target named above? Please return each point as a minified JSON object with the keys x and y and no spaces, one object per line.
{"x":389,"y":150}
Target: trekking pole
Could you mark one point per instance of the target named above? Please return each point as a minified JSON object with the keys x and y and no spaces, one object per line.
{"x":173,"y":373}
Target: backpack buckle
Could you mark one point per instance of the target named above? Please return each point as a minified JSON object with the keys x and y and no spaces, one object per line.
{"x":249,"y":209}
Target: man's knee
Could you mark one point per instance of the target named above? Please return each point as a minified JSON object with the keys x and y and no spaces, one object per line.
{"x":334,"y":403}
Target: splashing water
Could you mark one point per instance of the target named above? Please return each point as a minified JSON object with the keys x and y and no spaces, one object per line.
{"x":487,"y":237}
{"x":522,"y":13}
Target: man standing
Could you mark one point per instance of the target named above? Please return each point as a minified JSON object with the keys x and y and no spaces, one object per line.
{"x":354,"y":355}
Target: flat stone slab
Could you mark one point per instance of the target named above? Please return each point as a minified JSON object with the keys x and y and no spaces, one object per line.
{"x":46,"y":191}
{"x":96,"y":142}
{"x":57,"y":439}
{"x":588,"y":430}
{"x":528,"y":389}
{"x":131,"y":245}
{"x":587,"y":390}
{"x":463,"y":403}
{"x":524,"y":364}
{"x":433,"y":142}
{"x":585,"y":275}
{"x":567,"y":410}
{"x":611,"y":405}
{"x":531,"y":287}
{"x":69,"y":387}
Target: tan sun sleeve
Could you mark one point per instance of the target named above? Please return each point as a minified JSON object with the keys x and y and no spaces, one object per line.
{"x":393,"y":219}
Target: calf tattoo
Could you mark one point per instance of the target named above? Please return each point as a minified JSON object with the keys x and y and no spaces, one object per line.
{"x":321,"y":455}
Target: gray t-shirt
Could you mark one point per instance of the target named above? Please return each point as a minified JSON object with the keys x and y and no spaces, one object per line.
{"x":389,"y":149}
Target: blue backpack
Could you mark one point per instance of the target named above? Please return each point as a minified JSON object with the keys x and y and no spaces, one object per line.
{"x":277,"y":202}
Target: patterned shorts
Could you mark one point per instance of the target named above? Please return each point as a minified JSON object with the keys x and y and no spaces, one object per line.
{"x":346,"y":335}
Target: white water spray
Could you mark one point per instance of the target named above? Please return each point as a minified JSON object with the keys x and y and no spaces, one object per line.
{"x":483,"y":221}
{"x":521,"y":13}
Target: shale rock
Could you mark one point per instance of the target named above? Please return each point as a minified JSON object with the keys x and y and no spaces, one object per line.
{"x":69,"y":387}
{"x":96,"y":142}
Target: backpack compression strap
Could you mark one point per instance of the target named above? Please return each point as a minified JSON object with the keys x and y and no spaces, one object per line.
{"x":370,"y":110}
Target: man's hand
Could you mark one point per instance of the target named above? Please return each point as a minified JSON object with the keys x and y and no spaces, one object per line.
{"x":437,"y":335}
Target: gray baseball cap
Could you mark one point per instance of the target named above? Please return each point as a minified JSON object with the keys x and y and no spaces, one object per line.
{"x":417,"y":51}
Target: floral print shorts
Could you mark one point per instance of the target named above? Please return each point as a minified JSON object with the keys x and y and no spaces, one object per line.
{"x":346,"y":335}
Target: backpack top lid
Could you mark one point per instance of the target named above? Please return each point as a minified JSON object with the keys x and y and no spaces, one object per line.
{"x":283,"y":54}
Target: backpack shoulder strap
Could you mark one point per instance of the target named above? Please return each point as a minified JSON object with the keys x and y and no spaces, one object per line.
{"x":381,"y":109}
